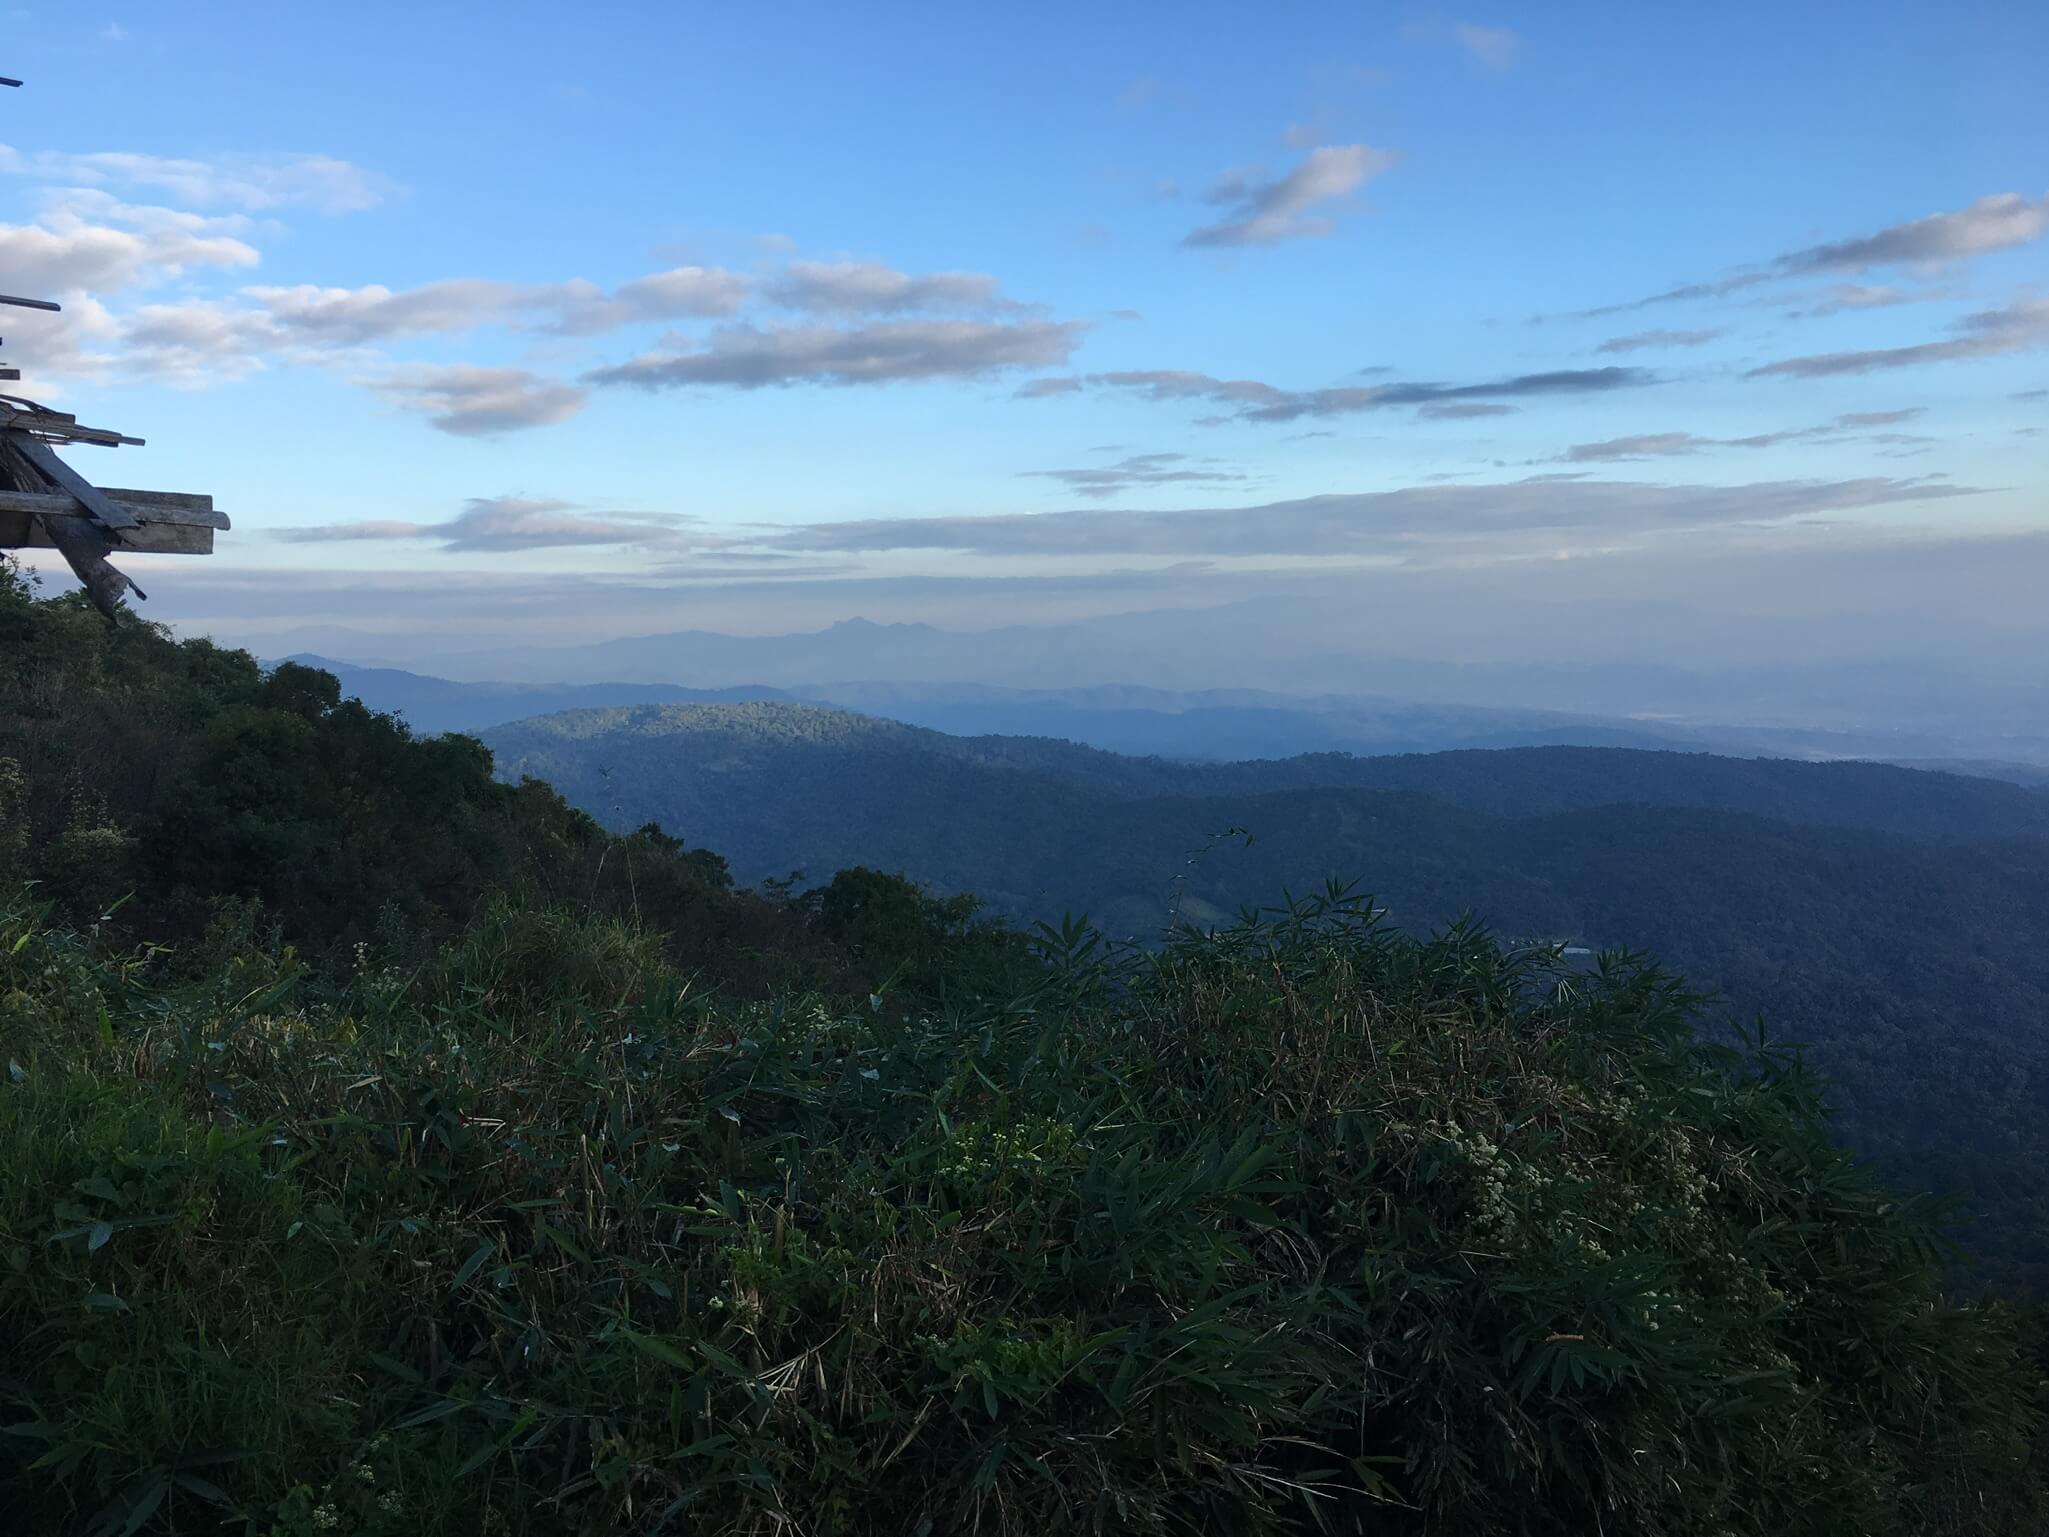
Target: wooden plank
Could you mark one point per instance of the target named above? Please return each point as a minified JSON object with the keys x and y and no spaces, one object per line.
{"x":65,"y":478}
{"x":148,"y":508}
{"x":84,"y":544}
{"x":68,"y":432}
{"x":168,"y":502}
{"x":13,"y":404}
{"x":58,"y":425}
{"x":30,"y":531}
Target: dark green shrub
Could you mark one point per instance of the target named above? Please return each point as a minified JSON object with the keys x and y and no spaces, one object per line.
{"x":1300,"y":1226}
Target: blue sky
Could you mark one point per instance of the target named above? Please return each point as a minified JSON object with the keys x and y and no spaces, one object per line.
{"x":753,"y":317}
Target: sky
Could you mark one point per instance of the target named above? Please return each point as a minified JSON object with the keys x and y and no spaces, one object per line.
{"x":522,"y":323}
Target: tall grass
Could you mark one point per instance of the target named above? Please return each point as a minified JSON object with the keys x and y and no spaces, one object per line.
{"x":1301,"y":1226}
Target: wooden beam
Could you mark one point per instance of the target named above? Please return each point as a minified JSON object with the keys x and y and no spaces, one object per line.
{"x":14,"y":405}
{"x":147,"y":508}
{"x":83,"y":541}
{"x":56,"y":427}
{"x":32,"y":531}
{"x":65,"y":478}
{"x":84,"y":544}
{"x":168,"y":504}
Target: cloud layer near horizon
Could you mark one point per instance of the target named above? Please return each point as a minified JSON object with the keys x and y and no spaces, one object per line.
{"x":1369,"y":523}
{"x":497,"y":524}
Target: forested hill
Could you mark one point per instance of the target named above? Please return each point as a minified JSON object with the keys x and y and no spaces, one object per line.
{"x":803,"y":744}
{"x":1896,"y":920}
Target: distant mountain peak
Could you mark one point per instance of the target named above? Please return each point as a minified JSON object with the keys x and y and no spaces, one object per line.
{"x":860,"y":626}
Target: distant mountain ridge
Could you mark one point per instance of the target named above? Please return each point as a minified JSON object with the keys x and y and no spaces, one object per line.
{"x":792,"y":743}
{"x":1893,"y":702}
{"x":1212,"y":724}
{"x":434,"y":705}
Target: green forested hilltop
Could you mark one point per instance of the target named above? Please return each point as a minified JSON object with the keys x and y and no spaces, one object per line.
{"x":784,"y":737}
{"x":393,"y":1151}
{"x":1916,"y":967}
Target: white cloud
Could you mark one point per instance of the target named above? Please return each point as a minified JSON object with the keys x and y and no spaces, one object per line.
{"x":581,"y":309}
{"x":1287,"y":208}
{"x":1994,"y":223}
{"x":870,"y":288}
{"x":195,"y":343}
{"x":752,"y":357}
{"x":200,"y":341}
{"x":2017,"y":327}
{"x":63,"y":254}
{"x":473,"y":401}
{"x":373,"y":313}
{"x":79,"y":343}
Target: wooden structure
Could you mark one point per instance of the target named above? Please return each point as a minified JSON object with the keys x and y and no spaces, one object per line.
{"x":45,"y":503}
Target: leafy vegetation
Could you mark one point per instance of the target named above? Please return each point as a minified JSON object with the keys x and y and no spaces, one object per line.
{"x":1897,"y":922}
{"x":510,"y":1176}
{"x":1304,"y":1224}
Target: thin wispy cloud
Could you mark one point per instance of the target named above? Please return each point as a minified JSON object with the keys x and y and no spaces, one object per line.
{"x":1880,"y":418}
{"x":2018,"y":327}
{"x":1645,"y":340}
{"x":1717,"y":288}
{"x":756,"y":357}
{"x":1995,"y":223}
{"x":1667,"y":445}
{"x":1494,"y":47}
{"x":870,"y":288}
{"x":1462,"y":410}
{"x":1137,"y":471}
{"x":1369,"y":523}
{"x":1295,"y":206}
{"x":503,"y":524}
{"x":1999,"y":222}
{"x":1842,"y":298}
{"x":251,"y":182}
{"x":1042,"y":389}
{"x":1253,"y":401}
